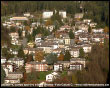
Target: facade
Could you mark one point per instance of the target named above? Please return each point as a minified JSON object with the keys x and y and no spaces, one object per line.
{"x":87,"y":48}
{"x":74,"y":52}
{"x":18,"y":61}
{"x":58,"y":67}
{"x":78,"y":60}
{"x":65,"y":63}
{"x":98,"y":30}
{"x":51,"y":77}
{"x":18,"y":19}
{"x":13,"y":81}
{"x":47,"y":14}
{"x":62,"y":13}
{"x":3,"y":60}
{"x":15,"y":75}
{"x":37,"y":66}
{"x":76,"y":66}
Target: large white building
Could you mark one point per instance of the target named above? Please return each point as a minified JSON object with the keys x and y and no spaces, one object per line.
{"x":47,"y":14}
{"x":62,"y":13}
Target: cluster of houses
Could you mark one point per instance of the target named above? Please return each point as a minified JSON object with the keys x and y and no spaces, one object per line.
{"x":11,"y":67}
{"x":57,"y":42}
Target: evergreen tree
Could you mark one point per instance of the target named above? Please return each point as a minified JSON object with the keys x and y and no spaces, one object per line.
{"x":3,"y":75}
{"x":71,"y":35}
{"x":81,"y":53}
{"x":51,"y":58}
{"x":67,"y":56}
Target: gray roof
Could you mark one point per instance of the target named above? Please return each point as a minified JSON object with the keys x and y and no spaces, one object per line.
{"x":34,"y":62}
{"x":16,"y":59}
{"x":77,"y":59}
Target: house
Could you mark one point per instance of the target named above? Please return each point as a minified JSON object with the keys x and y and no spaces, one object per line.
{"x":38,"y":39}
{"x":74,"y":52}
{"x":98,"y":30}
{"x":18,"y":19}
{"x":50,"y":27}
{"x":27,"y":14}
{"x":37,"y":66}
{"x":3,"y":60}
{"x":7,"y":65}
{"x":78,"y":60}
{"x":52,"y":76}
{"x":18,"y":61}
{"x":47,"y":14}
{"x":14,"y":42}
{"x":87,"y":21}
{"x":15,"y":75}
{"x":31,"y":44}
{"x":78,"y":15}
{"x":42,"y":84}
{"x":58,"y":67}
{"x":83,"y":27}
{"x":13,"y":81}
{"x":25,"y":50}
{"x":87,"y":48}
{"x":97,"y":39}
{"x":62,"y":28}
{"x":14,"y":35}
{"x":65,"y":63}
{"x":76,"y":66}
{"x":66,"y":40}
{"x":62,"y":13}
{"x":93,"y":24}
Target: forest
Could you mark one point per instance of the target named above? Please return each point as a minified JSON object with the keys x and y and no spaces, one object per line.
{"x":96,"y":10}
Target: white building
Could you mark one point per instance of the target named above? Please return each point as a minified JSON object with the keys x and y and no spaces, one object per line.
{"x":76,"y":66}
{"x":13,"y":81}
{"x":18,"y":19}
{"x":27,"y":14}
{"x":78,"y":60}
{"x":58,"y":67}
{"x":74,"y":52}
{"x":98,"y":30}
{"x":3,"y":60}
{"x":87,"y":48}
{"x":14,"y":35}
{"x":18,"y":61}
{"x":52,"y":76}
{"x":62,"y":13}
{"x":47,"y":14}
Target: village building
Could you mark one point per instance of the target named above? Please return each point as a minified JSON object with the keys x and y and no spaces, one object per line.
{"x":18,"y":61}
{"x":37,"y":66}
{"x":58,"y":67}
{"x":78,"y":60}
{"x":76,"y":66}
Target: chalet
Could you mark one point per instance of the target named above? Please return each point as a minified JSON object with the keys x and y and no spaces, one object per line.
{"x":83,"y":27}
{"x":50,"y":27}
{"x":51,"y":77}
{"x":58,"y":67}
{"x":31,"y":44}
{"x":38,"y":39}
{"x":97,"y":39}
{"x":37,"y":66}
{"x":78,"y":60}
